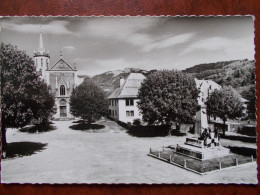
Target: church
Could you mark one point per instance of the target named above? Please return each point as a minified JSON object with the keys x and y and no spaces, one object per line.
{"x":61,"y":77}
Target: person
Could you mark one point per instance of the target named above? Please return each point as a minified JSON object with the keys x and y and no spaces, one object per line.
{"x":216,"y":137}
{"x":211,"y":133}
{"x":209,"y":138}
{"x":205,"y":137}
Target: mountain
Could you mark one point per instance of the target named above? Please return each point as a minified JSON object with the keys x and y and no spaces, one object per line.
{"x":109,"y":80}
{"x":240,"y":74}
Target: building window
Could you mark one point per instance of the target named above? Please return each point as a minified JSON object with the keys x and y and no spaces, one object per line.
{"x":113,"y":102}
{"x":115,"y":113}
{"x":130,"y":113}
{"x":41,"y":62}
{"x":112,"y":112}
{"x":62,"y":90}
{"x":129,"y":102}
{"x":36,"y":62}
{"x":47,"y":63}
{"x":109,"y":112}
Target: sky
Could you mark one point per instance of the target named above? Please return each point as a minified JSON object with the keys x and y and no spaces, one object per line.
{"x":100,"y":44}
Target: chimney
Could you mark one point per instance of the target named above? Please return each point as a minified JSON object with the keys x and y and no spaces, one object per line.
{"x":122,"y":81}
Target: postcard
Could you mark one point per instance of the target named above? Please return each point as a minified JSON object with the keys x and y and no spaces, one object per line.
{"x":141,"y":100}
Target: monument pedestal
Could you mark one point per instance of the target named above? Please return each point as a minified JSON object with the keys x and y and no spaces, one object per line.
{"x":195,"y":148}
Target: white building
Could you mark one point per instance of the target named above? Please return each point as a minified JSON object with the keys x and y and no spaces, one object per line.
{"x":123,"y":100}
{"x":206,"y":87}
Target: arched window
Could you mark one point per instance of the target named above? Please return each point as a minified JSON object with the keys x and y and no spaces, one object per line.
{"x":62,"y":90}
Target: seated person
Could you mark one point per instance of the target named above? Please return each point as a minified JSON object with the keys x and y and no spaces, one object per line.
{"x":216,"y":138}
{"x":203,"y":135}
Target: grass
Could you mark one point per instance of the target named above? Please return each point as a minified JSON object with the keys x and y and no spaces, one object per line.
{"x":243,"y":151}
{"x":206,"y":165}
{"x":240,"y":138}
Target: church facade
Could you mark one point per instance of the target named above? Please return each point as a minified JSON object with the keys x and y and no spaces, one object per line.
{"x":61,"y":77}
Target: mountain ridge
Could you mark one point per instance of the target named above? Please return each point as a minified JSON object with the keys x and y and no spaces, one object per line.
{"x":237,"y":73}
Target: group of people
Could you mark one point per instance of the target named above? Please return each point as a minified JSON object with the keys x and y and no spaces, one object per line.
{"x":210,"y":137}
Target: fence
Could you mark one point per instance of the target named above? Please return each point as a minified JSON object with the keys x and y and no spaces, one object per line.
{"x":201,"y":166}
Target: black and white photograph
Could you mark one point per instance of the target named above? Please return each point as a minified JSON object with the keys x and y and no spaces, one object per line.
{"x":120,"y":100}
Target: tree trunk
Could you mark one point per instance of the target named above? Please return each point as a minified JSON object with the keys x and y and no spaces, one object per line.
{"x":224,"y":128}
{"x":89,"y":121}
{"x":3,"y":137}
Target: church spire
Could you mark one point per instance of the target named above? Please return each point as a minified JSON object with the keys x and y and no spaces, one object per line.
{"x":41,"y":42}
{"x":41,"y":49}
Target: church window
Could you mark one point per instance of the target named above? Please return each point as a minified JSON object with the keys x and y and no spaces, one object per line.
{"x":62,"y":90}
{"x":41,"y":62}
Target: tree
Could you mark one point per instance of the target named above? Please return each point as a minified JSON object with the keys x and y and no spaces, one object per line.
{"x":224,"y":103}
{"x":24,"y":97}
{"x":88,"y":101}
{"x":168,"y":96}
{"x":44,"y":107}
{"x":249,"y":94}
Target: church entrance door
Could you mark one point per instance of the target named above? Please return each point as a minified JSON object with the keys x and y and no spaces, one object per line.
{"x":63,"y":108}
{"x":63,"y":111}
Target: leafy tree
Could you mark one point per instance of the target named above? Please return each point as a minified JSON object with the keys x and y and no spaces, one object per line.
{"x":43,"y":109}
{"x":224,"y":103}
{"x":88,"y":101}
{"x":24,"y":97}
{"x":250,"y":95}
{"x":167,"y":96}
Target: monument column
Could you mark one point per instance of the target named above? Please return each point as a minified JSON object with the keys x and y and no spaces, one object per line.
{"x":201,"y":120}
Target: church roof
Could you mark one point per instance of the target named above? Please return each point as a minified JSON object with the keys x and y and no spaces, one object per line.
{"x":130,"y":87}
{"x":62,"y":65}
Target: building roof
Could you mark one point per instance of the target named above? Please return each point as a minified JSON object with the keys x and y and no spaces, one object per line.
{"x":130,"y":87}
{"x":61,"y":65}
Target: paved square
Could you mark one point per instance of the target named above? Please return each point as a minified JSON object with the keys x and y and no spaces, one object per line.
{"x":108,"y":155}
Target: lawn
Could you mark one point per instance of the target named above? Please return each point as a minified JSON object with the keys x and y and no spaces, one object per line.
{"x":106,"y":155}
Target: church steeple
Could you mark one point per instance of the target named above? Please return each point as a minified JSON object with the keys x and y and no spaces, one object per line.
{"x":41,"y":49}
{"x":42,"y":59}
